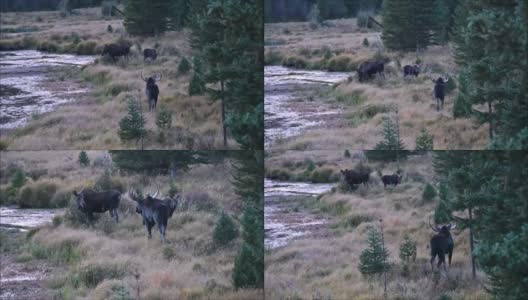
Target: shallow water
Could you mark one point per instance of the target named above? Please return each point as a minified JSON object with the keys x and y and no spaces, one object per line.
{"x":25,"y":88}
{"x":281,"y":225}
{"x":282,"y":86}
{"x":24,"y":219}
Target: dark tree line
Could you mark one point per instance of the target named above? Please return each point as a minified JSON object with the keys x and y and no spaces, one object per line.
{"x":33,"y":5}
{"x":485,"y":192}
{"x":299,"y":10}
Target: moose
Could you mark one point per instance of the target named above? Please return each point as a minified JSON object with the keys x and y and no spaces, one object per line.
{"x":411,"y":70}
{"x":353,"y":177}
{"x":155,"y":211}
{"x":151,"y":90}
{"x":90,"y":201}
{"x":393,"y":179}
{"x":149,"y":53}
{"x":439,"y":92}
{"x":116,"y":50}
{"x":367,"y":69}
{"x":441,"y":244}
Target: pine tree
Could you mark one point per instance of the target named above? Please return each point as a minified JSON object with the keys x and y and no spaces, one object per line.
{"x":229,"y":40}
{"x":132,"y":126}
{"x":197,"y":83}
{"x":347,"y":154}
{"x":163,"y":118}
{"x":391,"y":147}
{"x":147,"y":17}
{"x":407,"y":24}
{"x":104,"y":182}
{"x":441,"y":22}
{"x":184,"y":66}
{"x":225,"y":230}
{"x":407,"y":249}
{"x":247,"y":179}
{"x":424,"y":142}
{"x":373,"y":260}
{"x":84,"y":161}
{"x":156,"y":162}
{"x":429,"y":193}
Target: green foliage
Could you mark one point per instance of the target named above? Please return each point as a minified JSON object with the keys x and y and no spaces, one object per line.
{"x":164,"y":118}
{"x":197,"y":84}
{"x":38,"y":195}
{"x":462,"y":104}
{"x":173,"y":189}
{"x":147,"y":17}
{"x":424,"y":142}
{"x":229,"y":39}
{"x":373,"y":260}
{"x":225,"y":230}
{"x":314,"y":17}
{"x":92,"y":274}
{"x":391,"y":141}
{"x":184,"y":66}
{"x":407,"y":250}
{"x":19,"y":179}
{"x":132,"y":126}
{"x":347,"y":154}
{"x":429,"y":193}
{"x":156,"y":162}
{"x":104,"y":182}
{"x":83,"y":160}
{"x":407,"y":24}
{"x":247,"y":180}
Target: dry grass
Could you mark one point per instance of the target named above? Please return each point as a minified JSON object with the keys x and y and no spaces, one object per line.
{"x":91,"y":122}
{"x":325,"y":266}
{"x":100,"y":262}
{"x":411,"y":97}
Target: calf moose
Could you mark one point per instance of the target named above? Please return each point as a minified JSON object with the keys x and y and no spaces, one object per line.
{"x":441,"y":244}
{"x":353,"y":177}
{"x":89,"y":202}
{"x":393,"y":179}
{"x":154,"y":211}
{"x":411,"y":70}
{"x":150,"y":53}
{"x":152,"y":91}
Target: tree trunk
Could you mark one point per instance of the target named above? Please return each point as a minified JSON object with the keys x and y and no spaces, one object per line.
{"x":471,"y":242}
{"x":384,"y":262}
{"x":490,"y":111}
{"x":223,"y":114}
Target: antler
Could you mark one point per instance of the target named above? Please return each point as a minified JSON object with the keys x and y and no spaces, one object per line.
{"x":158,"y":78}
{"x":435,"y":228}
{"x":452,"y":226}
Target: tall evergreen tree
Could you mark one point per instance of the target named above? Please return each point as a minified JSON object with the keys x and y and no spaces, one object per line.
{"x":373,"y":260}
{"x":248,"y":180}
{"x":391,"y":147}
{"x":147,"y":17}
{"x":228,"y":36}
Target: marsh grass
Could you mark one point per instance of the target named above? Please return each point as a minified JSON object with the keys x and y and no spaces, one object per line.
{"x":326,"y":264}
{"x":91,"y":121}
{"x":340,"y":48}
{"x":105,"y":260}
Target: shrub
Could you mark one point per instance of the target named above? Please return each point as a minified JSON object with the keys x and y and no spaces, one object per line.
{"x":273,"y":58}
{"x":327,"y":53}
{"x":407,"y":249}
{"x":93,"y":274}
{"x":86,"y":48}
{"x":424,"y":142}
{"x":184,"y":67}
{"x":38,"y":195}
{"x":84,"y":161}
{"x":365,"y":42}
{"x":339,"y":64}
{"x":19,"y":179}
{"x":295,"y":62}
{"x":429,"y":193}
{"x":168,"y":252}
{"x":73,"y":217}
{"x":322,"y":175}
{"x":104,"y":182}
{"x":132,"y":126}
{"x":163,"y":118}
{"x":225,"y":230}
{"x":347,"y":154}
{"x":244,"y":270}
{"x":373,"y":260}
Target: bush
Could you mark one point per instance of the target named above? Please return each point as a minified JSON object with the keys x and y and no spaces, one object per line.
{"x":184,"y":67}
{"x":244,"y":275}
{"x":295,"y":62}
{"x":347,"y":154}
{"x":38,"y":195}
{"x":86,"y":48}
{"x":163,"y":118}
{"x":132,"y":126}
{"x":407,"y":250}
{"x":273,"y":58}
{"x":19,"y":179}
{"x":429,"y":193}
{"x":322,"y":176}
{"x":424,"y":142}
{"x":84,"y":161}
{"x":366,"y":42}
{"x":173,"y":189}
{"x":73,"y":217}
{"x":92,"y":274}
{"x":225,"y":230}
{"x":339,"y":64}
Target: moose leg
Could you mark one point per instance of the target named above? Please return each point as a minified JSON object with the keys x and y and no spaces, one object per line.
{"x":149,"y":229}
{"x":116,"y":215}
{"x":432,"y":261}
{"x":441,"y":259}
{"x":449,"y":256}
{"x":162,"y":232}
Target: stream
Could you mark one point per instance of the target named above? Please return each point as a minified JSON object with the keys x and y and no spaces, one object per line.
{"x":281,"y":223}
{"x":18,"y":279}
{"x":25,"y":86}
{"x":287,"y":113}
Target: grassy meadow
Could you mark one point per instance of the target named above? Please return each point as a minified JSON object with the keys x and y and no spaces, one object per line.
{"x":324,"y":265}
{"x":340,"y":45}
{"x":117,"y":261}
{"x":92,"y":121}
